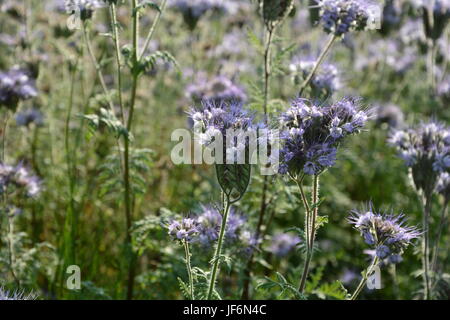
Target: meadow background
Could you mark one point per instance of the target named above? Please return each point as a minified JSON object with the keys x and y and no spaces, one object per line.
{"x":79,"y":217}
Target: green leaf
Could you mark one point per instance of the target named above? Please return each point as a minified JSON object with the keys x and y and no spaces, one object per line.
{"x":108,"y":119}
{"x":233,"y":179}
{"x":146,"y":4}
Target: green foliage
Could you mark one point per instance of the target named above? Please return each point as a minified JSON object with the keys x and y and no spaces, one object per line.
{"x":233,"y":179}
{"x":108,"y":119}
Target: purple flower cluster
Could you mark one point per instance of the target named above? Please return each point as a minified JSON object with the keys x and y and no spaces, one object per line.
{"x":441,"y":16}
{"x":326,"y":80}
{"x":29,"y":117}
{"x":218,"y":88}
{"x":209,"y":222}
{"x":386,"y":234}
{"x":342,"y":16}
{"x":20,"y":179}
{"x":283,"y":244}
{"x":184,"y":230}
{"x":425,"y":150}
{"x":311,"y":134}
{"x":193,"y":10}
{"x":16,"y":84}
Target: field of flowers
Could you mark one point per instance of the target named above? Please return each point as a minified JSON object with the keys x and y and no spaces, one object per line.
{"x":104,"y":104}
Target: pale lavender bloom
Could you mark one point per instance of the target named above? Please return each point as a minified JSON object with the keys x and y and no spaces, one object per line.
{"x":326,"y":79}
{"x":84,"y":8}
{"x":311,"y":134}
{"x":426,"y":151}
{"x":218,"y":88}
{"x":16,"y":84}
{"x":283,"y":244}
{"x":18,"y":178}
{"x":387,"y":234}
{"x":342,"y":16}
{"x":193,"y":10}
{"x":184,"y":230}
{"x":209,"y":222}
{"x":390,"y":114}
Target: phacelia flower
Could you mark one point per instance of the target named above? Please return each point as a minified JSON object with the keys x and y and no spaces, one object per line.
{"x":218,"y":88}
{"x":283,"y":244}
{"x":311,"y":134}
{"x":16,"y":84}
{"x":325,"y":81}
{"x":226,"y":120}
{"x":209,"y":222}
{"x":193,"y":10}
{"x":83,"y":8}
{"x":18,"y":179}
{"x":184,"y":230}
{"x":30,"y":116}
{"x":426,"y":152}
{"x":386,"y":234}
{"x":342,"y":16}
{"x":390,"y":114}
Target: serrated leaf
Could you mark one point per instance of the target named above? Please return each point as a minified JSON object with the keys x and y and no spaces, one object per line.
{"x":233,"y":179}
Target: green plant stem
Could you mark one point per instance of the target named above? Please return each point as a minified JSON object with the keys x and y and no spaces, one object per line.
{"x":311,"y":215}
{"x":425,"y":244}
{"x":128,"y":191}
{"x":97,"y":67}
{"x":12,"y":255}
{"x":189,"y":269}
{"x":319,"y":61}
{"x":216,"y":259}
{"x":441,"y":228}
{"x":152,"y":29}
{"x":363,"y":281}
{"x":263,"y":206}
{"x":116,"y":37}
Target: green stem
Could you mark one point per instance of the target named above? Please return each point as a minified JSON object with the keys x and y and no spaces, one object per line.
{"x":97,"y":67}
{"x":263,"y":206}
{"x":317,"y":64}
{"x":310,"y":229}
{"x":115,"y":29}
{"x":425,"y":244}
{"x":189,"y":269}
{"x":12,"y":255}
{"x":363,"y":281}
{"x":442,"y":225}
{"x":218,"y":253}
{"x":152,"y":29}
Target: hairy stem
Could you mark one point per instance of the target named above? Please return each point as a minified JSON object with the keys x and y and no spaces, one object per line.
{"x":425,"y":244}
{"x":189,"y":269}
{"x":363,"y":281}
{"x":441,"y":228}
{"x":319,"y":61}
{"x":310,"y":230}
{"x":152,"y":29}
{"x":263,"y":205}
{"x":216,"y":259}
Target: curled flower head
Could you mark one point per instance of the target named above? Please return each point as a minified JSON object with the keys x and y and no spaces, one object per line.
{"x":325,"y":80}
{"x":342,"y":16}
{"x":218,"y":88}
{"x":283,"y":243}
{"x":184,"y":230}
{"x":425,"y":150}
{"x":386,"y":234}
{"x":311,"y":134}
{"x":84,"y":8}
{"x":16,"y":84}
{"x":18,"y":179}
{"x":193,"y":10}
